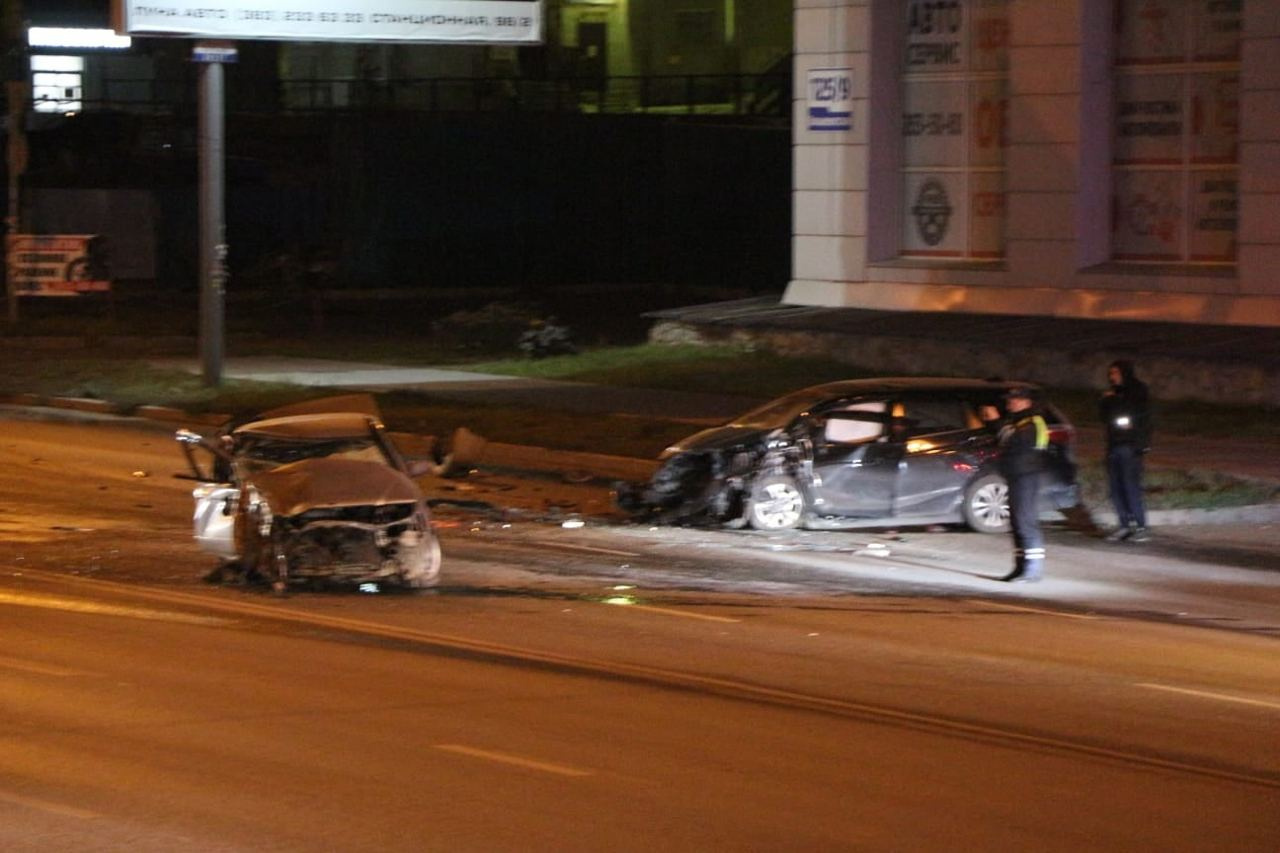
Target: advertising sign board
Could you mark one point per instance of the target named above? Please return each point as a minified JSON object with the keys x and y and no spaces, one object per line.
{"x":444,"y":21}
{"x":55,"y":265}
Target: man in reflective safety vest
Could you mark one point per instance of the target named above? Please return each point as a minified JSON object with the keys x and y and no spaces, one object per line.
{"x":1023,"y":440}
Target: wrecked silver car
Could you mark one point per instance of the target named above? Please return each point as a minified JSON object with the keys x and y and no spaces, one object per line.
{"x":311,"y":492}
{"x":857,"y":453}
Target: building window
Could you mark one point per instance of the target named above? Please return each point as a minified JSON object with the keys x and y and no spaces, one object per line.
{"x":57,"y":83}
{"x":1177,"y":128}
{"x":955,"y":107}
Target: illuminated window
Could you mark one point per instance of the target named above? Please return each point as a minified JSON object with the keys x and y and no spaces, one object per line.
{"x":57,"y":83}
{"x":1177,"y":128}
{"x":955,"y":105}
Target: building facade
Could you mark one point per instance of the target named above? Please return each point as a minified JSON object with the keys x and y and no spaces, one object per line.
{"x":1085,"y":158}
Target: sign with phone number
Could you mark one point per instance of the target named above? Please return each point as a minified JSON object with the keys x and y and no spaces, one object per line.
{"x":830,"y":98}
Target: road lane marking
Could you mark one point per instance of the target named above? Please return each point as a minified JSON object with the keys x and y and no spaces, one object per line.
{"x":670,"y":611}
{"x":38,"y":668}
{"x":988,"y":603}
{"x":76,"y":605}
{"x":1205,"y":694}
{"x":669,"y":678}
{"x":46,"y":806}
{"x":590,"y":549}
{"x":518,"y":761}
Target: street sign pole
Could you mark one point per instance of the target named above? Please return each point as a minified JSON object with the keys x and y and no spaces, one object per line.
{"x":213,"y":245}
{"x":15,"y":82}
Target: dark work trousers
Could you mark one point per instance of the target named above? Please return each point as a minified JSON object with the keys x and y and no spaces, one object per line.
{"x":1124,"y":473}
{"x":1024,"y":516}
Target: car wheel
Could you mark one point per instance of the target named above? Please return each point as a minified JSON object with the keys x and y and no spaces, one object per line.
{"x":986,"y":504}
{"x":431,"y":575}
{"x":776,"y":503}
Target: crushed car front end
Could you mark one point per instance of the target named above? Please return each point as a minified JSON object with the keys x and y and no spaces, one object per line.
{"x":706,"y":478}
{"x":341,"y":521}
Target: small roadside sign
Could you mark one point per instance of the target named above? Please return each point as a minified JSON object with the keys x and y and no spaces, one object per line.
{"x":214,"y":51}
{"x":830,"y":98}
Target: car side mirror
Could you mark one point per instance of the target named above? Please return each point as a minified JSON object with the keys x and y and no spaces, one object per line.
{"x":203,"y":457}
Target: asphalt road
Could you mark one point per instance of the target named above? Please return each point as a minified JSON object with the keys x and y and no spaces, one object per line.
{"x":599,"y":688}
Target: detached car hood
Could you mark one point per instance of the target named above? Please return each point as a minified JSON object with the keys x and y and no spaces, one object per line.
{"x":320,"y":483}
{"x":717,"y":438}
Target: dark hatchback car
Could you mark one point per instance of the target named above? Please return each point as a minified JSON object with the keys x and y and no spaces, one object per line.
{"x":858,"y":453}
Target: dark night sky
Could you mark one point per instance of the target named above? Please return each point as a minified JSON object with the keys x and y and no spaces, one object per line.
{"x":78,"y":13}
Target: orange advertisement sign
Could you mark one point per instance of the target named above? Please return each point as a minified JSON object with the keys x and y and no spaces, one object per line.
{"x":55,"y":265}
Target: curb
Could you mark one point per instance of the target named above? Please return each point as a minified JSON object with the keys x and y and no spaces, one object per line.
{"x":576,"y":464}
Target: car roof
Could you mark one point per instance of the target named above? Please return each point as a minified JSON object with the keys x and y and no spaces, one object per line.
{"x":895,"y":384}
{"x":321,"y":426}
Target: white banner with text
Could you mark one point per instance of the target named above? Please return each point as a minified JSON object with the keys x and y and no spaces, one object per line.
{"x":468,"y":21}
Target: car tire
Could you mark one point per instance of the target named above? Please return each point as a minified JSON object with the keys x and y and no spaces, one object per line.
{"x":429,"y":578}
{"x":776,"y":503}
{"x":986,"y":504}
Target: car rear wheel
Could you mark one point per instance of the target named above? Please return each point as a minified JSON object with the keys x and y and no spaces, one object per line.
{"x":986,"y":504}
{"x":776,"y":503}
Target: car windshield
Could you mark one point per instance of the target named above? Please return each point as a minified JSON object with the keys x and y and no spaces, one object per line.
{"x":781,"y":411}
{"x":259,"y":453}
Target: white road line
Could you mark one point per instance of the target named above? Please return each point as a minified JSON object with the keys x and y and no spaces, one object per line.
{"x":671,"y":611}
{"x":569,"y":546}
{"x":986,"y":602}
{"x":75,"y":605}
{"x":46,"y":806}
{"x":38,"y":668}
{"x":518,"y":761}
{"x":1205,"y":694}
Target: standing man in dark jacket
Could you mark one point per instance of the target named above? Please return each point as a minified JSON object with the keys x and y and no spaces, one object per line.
{"x":1126,"y":417}
{"x":1023,"y":440}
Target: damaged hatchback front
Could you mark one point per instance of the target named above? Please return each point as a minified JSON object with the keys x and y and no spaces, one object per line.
{"x":311,"y":492}
{"x":854,"y":454}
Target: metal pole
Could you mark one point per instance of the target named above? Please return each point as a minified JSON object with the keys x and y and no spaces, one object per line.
{"x":15,"y":81}
{"x":17,"y":162}
{"x":213,"y":247}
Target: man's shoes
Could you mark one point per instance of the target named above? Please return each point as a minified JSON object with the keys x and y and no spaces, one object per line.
{"x":1139,"y":534}
{"x":1020,"y":576}
{"x":1119,"y":534}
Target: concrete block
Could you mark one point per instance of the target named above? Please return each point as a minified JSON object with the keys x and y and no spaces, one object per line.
{"x":86,"y":404}
{"x":814,"y":31}
{"x":829,"y":258}
{"x":1259,"y":222}
{"x":841,"y":213}
{"x":1041,"y":168}
{"x":1260,"y":115}
{"x":1045,"y":23}
{"x":1044,"y":119}
{"x":1041,"y":216}
{"x":830,"y":167}
{"x":1044,"y":70}
{"x":1260,"y":62}
{"x":1260,"y":167}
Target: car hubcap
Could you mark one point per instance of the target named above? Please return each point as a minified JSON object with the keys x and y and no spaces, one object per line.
{"x":780,"y":506}
{"x":991,"y":504}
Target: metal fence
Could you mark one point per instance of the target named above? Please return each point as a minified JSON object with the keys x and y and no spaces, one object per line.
{"x":764,"y":96}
